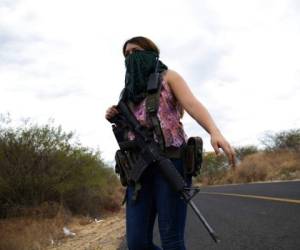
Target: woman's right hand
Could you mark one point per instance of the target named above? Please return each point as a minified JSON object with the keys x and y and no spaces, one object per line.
{"x":111,"y":112}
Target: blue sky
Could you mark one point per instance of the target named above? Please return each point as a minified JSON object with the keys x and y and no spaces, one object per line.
{"x":62,"y":59}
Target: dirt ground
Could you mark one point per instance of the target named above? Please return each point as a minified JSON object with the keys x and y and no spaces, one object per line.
{"x":106,"y":234}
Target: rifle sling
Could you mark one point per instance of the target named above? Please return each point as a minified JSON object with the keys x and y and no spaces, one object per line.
{"x":152,"y":105}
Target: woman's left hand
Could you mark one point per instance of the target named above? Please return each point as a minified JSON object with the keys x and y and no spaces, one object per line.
{"x":218,"y":141}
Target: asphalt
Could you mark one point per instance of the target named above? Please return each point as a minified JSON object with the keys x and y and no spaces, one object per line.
{"x":245,"y":222}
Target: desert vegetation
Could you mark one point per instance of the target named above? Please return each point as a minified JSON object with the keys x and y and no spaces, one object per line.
{"x":49,"y":180}
{"x":279,"y":159}
{"x":46,"y":178}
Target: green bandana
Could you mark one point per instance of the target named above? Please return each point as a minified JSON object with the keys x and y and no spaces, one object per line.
{"x":139,"y":65}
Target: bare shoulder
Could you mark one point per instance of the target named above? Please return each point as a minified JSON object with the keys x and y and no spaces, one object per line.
{"x":179,"y":88}
{"x":171,"y":74}
{"x":172,"y":77}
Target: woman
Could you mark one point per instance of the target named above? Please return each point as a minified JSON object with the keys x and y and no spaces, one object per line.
{"x":156,"y":196}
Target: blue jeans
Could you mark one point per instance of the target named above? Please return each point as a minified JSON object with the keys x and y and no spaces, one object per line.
{"x":156,"y":198}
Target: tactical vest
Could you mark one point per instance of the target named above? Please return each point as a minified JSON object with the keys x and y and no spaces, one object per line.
{"x":191,"y":152}
{"x":152,"y":102}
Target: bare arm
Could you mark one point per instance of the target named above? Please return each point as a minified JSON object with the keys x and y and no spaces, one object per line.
{"x":190,"y":103}
{"x":197,"y":110}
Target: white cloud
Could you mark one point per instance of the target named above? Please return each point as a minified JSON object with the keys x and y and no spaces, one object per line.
{"x":62,"y":59}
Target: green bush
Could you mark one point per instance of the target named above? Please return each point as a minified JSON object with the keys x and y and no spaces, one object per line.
{"x":213,"y":168}
{"x":44,"y":163}
{"x":283,"y":140}
{"x":243,"y":151}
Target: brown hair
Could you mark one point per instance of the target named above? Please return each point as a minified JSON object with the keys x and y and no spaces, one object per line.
{"x":143,"y":42}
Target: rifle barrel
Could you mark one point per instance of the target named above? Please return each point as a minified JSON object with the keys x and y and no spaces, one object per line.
{"x":201,"y":217}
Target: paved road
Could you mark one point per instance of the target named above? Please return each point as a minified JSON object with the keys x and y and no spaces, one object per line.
{"x":250,"y":221}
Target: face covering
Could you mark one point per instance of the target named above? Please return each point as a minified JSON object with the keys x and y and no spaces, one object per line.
{"x":139,"y":65}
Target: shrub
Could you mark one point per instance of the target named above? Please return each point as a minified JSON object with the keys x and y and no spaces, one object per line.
{"x":44,"y":163}
{"x":287,"y":139}
{"x":277,"y":165}
{"x":213,"y":167}
{"x":243,"y":151}
{"x":251,"y":169}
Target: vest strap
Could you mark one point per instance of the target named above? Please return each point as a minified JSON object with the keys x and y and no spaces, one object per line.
{"x":152,"y":105}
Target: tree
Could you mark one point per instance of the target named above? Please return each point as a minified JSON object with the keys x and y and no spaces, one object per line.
{"x":242,"y":151}
{"x":283,"y":140}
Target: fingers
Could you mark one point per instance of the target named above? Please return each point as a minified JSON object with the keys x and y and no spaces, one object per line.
{"x":233,"y":164}
{"x":228,"y":150}
{"x":216,"y":148}
{"x":111,"y":112}
{"x":230,"y":154}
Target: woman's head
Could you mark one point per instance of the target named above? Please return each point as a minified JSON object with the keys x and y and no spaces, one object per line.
{"x":139,"y":43}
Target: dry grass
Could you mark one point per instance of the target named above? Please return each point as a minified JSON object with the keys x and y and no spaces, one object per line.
{"x":34,"y":229}
{"x":263,"y":166}
{"x":280,"y":165}
{"x":104,"y":235}
{"x":42,"y":226}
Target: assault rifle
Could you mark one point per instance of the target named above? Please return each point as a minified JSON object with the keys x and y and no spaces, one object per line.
{"x":149,"y":153}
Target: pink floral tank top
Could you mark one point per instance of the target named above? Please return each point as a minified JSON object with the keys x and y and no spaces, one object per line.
{"x":168,"y":115}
